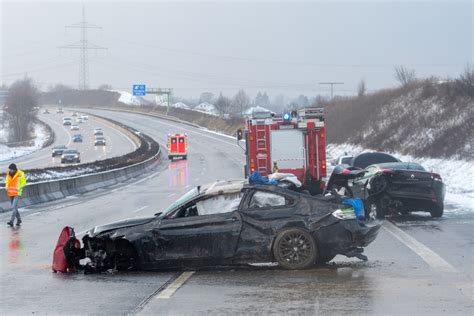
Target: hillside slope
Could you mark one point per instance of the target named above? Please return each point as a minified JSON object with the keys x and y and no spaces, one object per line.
{"x":424,"y":119}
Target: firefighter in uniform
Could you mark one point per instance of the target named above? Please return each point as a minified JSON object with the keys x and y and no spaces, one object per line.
{"x":14,"y":183}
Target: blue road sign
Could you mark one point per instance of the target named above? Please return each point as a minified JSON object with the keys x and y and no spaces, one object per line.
{"x":139,"y":89}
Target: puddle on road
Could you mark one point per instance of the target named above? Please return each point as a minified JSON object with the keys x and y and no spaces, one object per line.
{"x":178,"y":174}
{"x":15,"y":245}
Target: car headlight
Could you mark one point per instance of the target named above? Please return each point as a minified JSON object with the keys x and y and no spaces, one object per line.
{"x":344,"y":213}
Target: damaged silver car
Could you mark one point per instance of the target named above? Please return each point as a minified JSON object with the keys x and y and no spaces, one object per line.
{"x":232,"y":222}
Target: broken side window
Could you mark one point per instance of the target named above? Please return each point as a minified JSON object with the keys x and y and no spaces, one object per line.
{"x":223,"y":203}
{"x":262,"y":199}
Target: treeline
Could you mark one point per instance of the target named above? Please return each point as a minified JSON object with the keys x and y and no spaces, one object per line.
{"x":20,"y":109}
{"x":422,"y":117}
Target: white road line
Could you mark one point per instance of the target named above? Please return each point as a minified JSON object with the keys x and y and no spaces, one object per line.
{"x":140,"y":209}
{"x":175,"y":285}
{"x":425,"y":253}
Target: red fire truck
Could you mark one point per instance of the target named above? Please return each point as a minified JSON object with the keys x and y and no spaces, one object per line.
{"x":177,"y":146}
{"x":291,"y":143}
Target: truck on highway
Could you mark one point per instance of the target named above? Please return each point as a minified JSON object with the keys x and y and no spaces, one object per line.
{"x":177,"y":146}
{"x":294,"y":143}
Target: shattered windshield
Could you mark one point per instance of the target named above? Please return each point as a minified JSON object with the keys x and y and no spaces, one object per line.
{"x":182,"y":200}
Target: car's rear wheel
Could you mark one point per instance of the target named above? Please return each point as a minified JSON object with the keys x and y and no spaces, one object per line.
{"x":436,"y":211}
{"x":294,"y":249}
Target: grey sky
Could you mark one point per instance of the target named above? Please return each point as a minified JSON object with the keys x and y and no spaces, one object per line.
{"x":285,"y":47}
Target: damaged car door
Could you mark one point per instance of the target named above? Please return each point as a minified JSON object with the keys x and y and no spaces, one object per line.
{"x":206,"y":229}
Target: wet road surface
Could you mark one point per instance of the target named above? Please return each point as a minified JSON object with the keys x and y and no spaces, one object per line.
{"x":417,"y":265}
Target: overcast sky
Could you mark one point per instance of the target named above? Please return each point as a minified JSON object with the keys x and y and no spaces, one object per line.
{"x":278,"y":47}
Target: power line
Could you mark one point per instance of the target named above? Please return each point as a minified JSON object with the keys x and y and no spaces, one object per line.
{"x":332,"y":83}
{"x":84,"y":46}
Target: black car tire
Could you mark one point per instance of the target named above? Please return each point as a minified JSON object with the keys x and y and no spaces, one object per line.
{"x":170,"y":158}
{"x":436,"y":211}
{"x":185,"y":157}
{"x":295,"y":249}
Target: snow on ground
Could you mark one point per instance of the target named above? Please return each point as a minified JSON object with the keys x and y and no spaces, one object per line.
{"x":181,"y":105}
{"x":256,"y":109}
{"x":458,"y":175}
{"x":207,"y":108}
{"x":128,"y":98}
{"x":11,"y":153}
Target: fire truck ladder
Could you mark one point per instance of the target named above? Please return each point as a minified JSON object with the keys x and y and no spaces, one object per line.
{"x":262,"y":148}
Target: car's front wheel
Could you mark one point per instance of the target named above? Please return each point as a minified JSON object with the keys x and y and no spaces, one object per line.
{"x":295,"y":249}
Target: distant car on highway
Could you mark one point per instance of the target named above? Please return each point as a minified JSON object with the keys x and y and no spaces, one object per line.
{"x":58,"y":150}
{"x":71,"y":156}
{"x":79,"y":120}
{"x":77,"y":138}
{"x":84,"y":117}
{"x":74,"y":114}
{"x":60,"y":111}
{"x":45,"y":111}
{"x":98,"y":132}
{"x":99,"y":141}
{"x":67,"y":121}
{"x":74,"y":127}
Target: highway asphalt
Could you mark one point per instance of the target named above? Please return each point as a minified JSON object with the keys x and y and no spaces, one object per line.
{"x":117,"y":143}
{"x":417,"y":265}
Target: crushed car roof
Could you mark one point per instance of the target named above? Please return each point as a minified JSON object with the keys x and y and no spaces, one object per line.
{"x":220,"y":187}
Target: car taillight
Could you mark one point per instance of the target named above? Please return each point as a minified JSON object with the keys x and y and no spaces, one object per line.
{"x":436,"y":177}
{"x":345,"y":171}
{"x":387,"y":171}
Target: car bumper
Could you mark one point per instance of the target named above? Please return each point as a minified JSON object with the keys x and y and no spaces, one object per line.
{"x":343,"y":236}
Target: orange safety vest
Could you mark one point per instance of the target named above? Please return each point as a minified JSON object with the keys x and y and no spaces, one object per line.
{"x":14,"y":185}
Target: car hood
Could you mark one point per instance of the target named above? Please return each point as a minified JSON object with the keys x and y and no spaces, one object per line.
{"x":119,"y":224}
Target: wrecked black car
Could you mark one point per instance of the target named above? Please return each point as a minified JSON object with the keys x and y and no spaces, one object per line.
{"x":232,"y":222}
{"x":399,"y":187}
{"x":389,"y":186}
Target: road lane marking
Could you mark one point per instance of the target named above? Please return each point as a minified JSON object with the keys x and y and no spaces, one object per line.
{"x":425,"y":253}
{"x":169,"y":290}
{"x":140,"y":209}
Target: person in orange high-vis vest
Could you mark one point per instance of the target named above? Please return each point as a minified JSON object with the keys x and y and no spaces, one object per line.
{"x":14,"y":183}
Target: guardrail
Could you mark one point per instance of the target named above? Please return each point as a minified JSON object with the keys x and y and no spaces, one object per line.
{"x":45,"y":191}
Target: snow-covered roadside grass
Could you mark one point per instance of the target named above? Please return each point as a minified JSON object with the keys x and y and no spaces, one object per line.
{"x":11,"y":153}
{"x":458,"y":175}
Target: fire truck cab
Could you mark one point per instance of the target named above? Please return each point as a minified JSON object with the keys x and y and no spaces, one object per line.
{"x":177,"y":146}
{"x":291,"y":143}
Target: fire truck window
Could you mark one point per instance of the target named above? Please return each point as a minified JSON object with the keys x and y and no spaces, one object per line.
{"x":181,"y":140}
{"x":223,"y":203}
{"x":173,"y":140}
{"x":262,"y":199}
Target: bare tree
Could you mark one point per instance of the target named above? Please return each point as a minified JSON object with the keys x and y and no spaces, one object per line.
{"x":466,"y":80}
{"x":404,"y":75}
{"x":105,"y":87}
{"x":206,"y":97}
{"x":240,"y":102}
{"x":22,"y":97}
{"x":223,"y":105}
{"x":361,"y":88}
